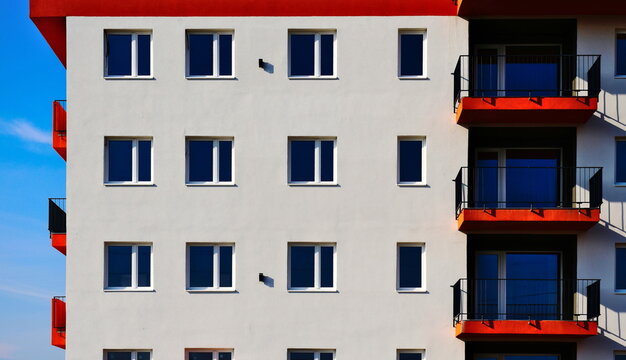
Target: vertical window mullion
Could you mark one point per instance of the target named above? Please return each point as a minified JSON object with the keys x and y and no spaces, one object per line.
{"x":134,"y":274}
{"x":216,"y":58}
{"x":317,"y":268}
{"x":133,"y":57}
{"x":316,"y":355}
{"x":135,"y":161}
{"x":216,"y":159}
{"x":317,"y":61}
{"x":318,"y":162}
{"x":216,"y":266}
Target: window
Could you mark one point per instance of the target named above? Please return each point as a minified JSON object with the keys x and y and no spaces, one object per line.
{"x":209,"y":161}
{"x":620,"y":54}
{"x":128,"y":161}
{"x":128,"y":266}
{"x":411,"y":355}
{"x":620,"y":268}
{"x":312,"y":267}
{"x":312,"y":161}
{"x":128,"y":54}
{"x":411,"y":59}
{"x":312,"y":54}
{"x":411,"y":267}
{"x":209,"y":54}
{"x":127,"y":354}
{"x":620,"y":355}
{"x":311,"y":354}
{"x":411,"y":160}
{"x":208,"y":354}
{"x":620,"y":161}
{"x":210,"y":267}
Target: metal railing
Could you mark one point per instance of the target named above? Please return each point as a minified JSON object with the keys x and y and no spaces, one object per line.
{"x":526,"y":76}
{"x":526,"y":299}
{"x":528,"y":188}
{"x":56,"y":215}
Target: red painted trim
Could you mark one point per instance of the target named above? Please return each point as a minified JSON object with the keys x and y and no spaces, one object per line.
{"x":540,"y":8}
{"x":523,"y":329}
{"x":479,"y":220}
{"x":59,"y":242}
{"x":59,"y":129}
{"x":543,"y":110}
{"x":58,"y":323}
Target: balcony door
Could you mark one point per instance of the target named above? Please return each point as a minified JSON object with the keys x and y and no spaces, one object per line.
{"x":517,"y":286}
{"x":517,"y":70}
{"x":516,"y":357}
{"x":517,"y":178}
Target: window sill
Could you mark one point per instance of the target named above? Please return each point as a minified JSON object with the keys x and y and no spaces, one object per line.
{"x":313,"y":77}
{"x":412,"y":291}
{"x":619,"y":292}
{"x":226,"y":184}
{"x":413,"y":78}
{"x":620,"y":184}
{"x":129,"y":77}
{"x":228,"y":290}
{"x":412,"y":184}
{"x":620,"y":76}
{"x":333,"y":290}
{"x":210,"y":78}
{"x":147,"y":184}
{"x":130,"y":290}
{"x":313,"y":184}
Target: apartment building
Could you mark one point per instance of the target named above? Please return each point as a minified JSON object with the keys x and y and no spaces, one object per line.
{"x":276,"y":180}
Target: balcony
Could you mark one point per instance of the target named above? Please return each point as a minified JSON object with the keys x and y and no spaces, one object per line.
{"x":526,"y":309}
{"x":58,"y":321}
{"x":59,"y":128}
{"x":470,"y":8}
{"x":530,"y":199}
{"x":526,"y":89}
{"x":56,"y":224}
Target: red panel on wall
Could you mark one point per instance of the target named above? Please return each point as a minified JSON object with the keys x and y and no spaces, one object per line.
{"x":59,"y":242}
{"x":58,"y":323}
{"x":59,"y":129}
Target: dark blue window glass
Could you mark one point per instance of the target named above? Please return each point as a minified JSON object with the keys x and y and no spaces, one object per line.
{"x":226,"y":266}
{"x":145,"y":160}
{"x":326,"y":356}
{"x":620,"y":161}
{"x":200,"y":356}
{"x":200,"y":54}
{"x":119,"y":266}
{"x":118,"y":57}
{"x":619,"y":357}
{"x":532,"y":357}
{"x":224,"y":356}
{"x":327,"y":56}
{"x":532,"y":70}
{"x":302,"y":56}
{"x":411,"y":54}
{"x":200,"y":157}
{"x":120,"y":160}
{"x":532,"y":178}
{"x":327,"y":264}
{"x":143,"y":265}
{"x":119,"y":355}
{"x":620,"y":268}
{"x":225,"y":160}
{"x":486,"y":82}
{"x":620,"y":55}
{"x":486,"y":177}
{"x":302,"y":266}
{"x":226,"y":55}
{"x":302,"y":160}
{"x":410,"y":153}
{"x":143,"y":55}
{"x":327,"y":160}
{"x":486,"y":299}
{"x":143,"y":355}
{"x":538,"y":297}
{"x":301,"y":356}
{"x":410,"y":266}
{"x":409,"y":356}
{"x":201,"y":266}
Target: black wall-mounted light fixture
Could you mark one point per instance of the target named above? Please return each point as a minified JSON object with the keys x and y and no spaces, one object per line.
{"x":261,"y":277}
{"x":261,"y":63}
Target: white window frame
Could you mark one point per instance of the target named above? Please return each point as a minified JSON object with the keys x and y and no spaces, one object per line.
{"x":133,"y":353}
{"x":618,"y":291}
{"x":317,"y":269}
{"x":216,"y":54}
{"x":411,"y":351}
{"x":411,"y":289}
{"x":317,"y":180}
{"x":134,"y":269}
{"x":215,"y":352}
{"x":424,"y":148}
{"x":422,"y":32}
{"x":617,"y":183}
{"x":134,"y":63}
{"x":216,"y":269}
{"x":135,"y":161}
{"x":618,"y":76}
{"x":216,"y":159}
{"x":317,"y":61}
{"x":316,"y":352}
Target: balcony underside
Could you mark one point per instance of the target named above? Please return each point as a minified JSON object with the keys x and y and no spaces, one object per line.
{"x":528,"y":220}
{"x":548,"y":330}
{"x":539,"y":8}
{"x":59,"y":242}
{"x":524,"y":110}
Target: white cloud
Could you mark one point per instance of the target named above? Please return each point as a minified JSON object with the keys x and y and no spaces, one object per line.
{"x":24,"y":130}
{"x":24,"y":292}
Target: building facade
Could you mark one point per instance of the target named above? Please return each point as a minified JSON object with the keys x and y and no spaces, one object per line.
{"x":252,"y":180}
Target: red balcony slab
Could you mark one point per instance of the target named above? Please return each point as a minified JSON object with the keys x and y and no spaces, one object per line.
{"x":59,"y":242}
{"x":59,"y":129}
{"x":539,"y":8}
{"x":477,"y":330}
{"x":524,"y":110}
{"x":58,"y":323}
{"x":503,"y":220}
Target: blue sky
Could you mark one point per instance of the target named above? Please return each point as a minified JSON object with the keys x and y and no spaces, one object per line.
{"x":31,"y":271}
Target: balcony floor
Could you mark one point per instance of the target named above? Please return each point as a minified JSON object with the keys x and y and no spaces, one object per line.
{"x":517,"y":110}
{"x":538,"y":7}
{"x":476,"y":330}
{"x":503,"y":220}
{"x":59,"y":242}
